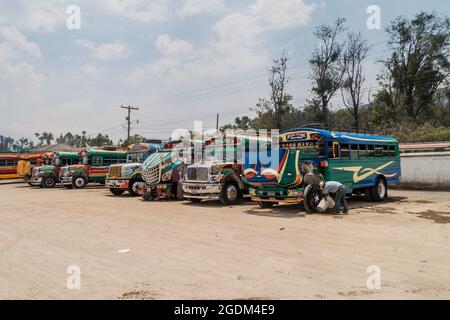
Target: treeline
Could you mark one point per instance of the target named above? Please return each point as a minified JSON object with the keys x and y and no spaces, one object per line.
{"x":410,"y":102}
{"x":8,"y":144}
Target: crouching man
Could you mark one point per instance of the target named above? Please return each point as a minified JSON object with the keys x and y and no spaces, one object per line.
{"x":338,"y":189}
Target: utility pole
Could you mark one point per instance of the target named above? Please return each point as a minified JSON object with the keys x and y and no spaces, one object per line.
{"x":129,"y":108}
{"x":217,"y":122}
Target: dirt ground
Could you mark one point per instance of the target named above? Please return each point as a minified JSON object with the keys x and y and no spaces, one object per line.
{"x":126,"y":248}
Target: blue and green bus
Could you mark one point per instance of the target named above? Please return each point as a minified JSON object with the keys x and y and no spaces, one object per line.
{"x":365,"y":164}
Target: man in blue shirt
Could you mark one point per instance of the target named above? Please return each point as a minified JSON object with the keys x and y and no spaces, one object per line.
{"x":339,"y":190}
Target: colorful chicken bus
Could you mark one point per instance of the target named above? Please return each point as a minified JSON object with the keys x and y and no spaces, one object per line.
{"x":47,"y":174}
{"x":219,"y":175}
{"x":127,"y":176}
{"x":162,"y":171}
{"x":28,"y":162}
{"x":8,"y":166}
{"x":93,"y":168}
{"x":365,"y":164}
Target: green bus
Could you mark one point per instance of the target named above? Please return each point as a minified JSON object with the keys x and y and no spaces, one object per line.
{"x":365,"y":164}
{"x":47,"y":176}
{"x":93,"y":168}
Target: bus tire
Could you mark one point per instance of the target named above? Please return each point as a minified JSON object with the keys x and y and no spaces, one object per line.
{"x":132,"y":188}
{"x":116,"y":192}
{"x":266,"y":205}
{"x":230,"y":194}
{"x":379,"y":191}
{"x":311,"y":198}
{"x":49,"y":182}
{"x":79,"y":182}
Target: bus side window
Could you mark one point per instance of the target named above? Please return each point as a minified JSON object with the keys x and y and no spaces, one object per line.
{"x":354,"y":151}
{"x":330,"y":150}
{"x":392,"y":151}
{"x":371,"y":151}
{"x":97,"y":160}
{"x":2,"y":163}
{"x":386,"y":152}
{"x":345,"y":151}
{"x":363,"y":151}
{"x":378,"y":151}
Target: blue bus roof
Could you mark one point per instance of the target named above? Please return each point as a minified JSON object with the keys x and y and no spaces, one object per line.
{"x":344,"y":137}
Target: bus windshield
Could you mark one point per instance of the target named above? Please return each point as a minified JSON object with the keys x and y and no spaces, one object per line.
{"x":136,"y":157}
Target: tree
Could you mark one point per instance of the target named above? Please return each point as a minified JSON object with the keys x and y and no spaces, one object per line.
{"x":100,"y":141}
{"x":326,"y":67}
{"x":46,"y":137}
{"x":278,"y":82}
{"x":353,"y":59}
{"x":243,"y":123}
{"x":133,"y":139}
{"x":419,"y":62}
{"x":272,"y":112}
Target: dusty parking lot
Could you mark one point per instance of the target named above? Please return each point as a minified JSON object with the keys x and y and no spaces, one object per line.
{"x":130,"y":249}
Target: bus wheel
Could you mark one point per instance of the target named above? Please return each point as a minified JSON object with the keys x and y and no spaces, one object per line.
{"x":79,"y":182}
{"x":311,"y":198}
{"x":48,"y":182}
{"x":379,"y":191}
{"x":230,"y":194}
{"x":116,"y":192}
{"x":133,"y":187}
{"x":266,"y":205}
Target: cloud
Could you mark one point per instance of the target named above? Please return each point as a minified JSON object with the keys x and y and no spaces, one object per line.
{"x":283,"y":14}
{"x":194,"y":7}
{"x":19,"y":41}
{"x":168,"y":47}
{"x":90,"y":70}
{"x":17,"y":76}
{"x":107,"y":51}
{"x":32,"y":15}
{"x":139,"y":10}
{"x":234,"y":49}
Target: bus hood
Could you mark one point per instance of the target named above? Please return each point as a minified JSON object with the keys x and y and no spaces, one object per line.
{"x":283,"y":171}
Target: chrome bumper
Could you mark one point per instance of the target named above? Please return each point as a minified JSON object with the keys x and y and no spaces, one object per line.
{"x":35,"y":181}
{"x":202,"y":191}
{"x":66,"y":180}
{"x":117,"y":184}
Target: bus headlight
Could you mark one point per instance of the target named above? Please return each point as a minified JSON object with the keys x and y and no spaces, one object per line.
{"x":215,"y":177}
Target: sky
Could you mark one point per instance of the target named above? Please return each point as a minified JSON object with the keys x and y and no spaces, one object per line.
{"x":179,"y":61}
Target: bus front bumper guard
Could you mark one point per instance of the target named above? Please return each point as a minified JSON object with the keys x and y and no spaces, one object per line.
{"x":201,"y":191}
{"x":35,"y":181}
{"x":121,"y":184}
{"x":66,"y":180}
